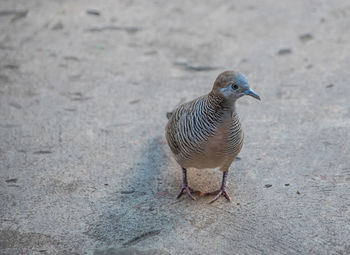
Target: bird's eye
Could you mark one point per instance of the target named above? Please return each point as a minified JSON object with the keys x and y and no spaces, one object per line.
{"x":234,"y":86}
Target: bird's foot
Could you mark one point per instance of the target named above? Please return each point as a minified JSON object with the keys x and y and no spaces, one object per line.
{"x":218,"y":193}
{"x":188,"y":190}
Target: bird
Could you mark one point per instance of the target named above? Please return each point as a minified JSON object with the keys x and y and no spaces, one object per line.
{"x":207,"y":133}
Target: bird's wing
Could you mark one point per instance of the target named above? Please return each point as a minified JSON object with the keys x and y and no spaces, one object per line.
{"x":172,"y":128}
{"x":180,"y":131}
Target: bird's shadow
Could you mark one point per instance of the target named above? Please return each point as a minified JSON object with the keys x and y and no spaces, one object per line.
{"x":147,"y":208}
{"x":137,"y":213}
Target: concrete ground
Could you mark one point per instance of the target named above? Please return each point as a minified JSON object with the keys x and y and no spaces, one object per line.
{"x":84,"y":89}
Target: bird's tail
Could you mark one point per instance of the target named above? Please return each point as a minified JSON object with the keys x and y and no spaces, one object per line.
{"x":169,"y":114}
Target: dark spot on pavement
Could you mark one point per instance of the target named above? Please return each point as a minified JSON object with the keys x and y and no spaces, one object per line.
{"x":15,"y":105}
{"x":77,"y":96}
{"x":13,"y":180}
{"x":13,"y":239}
{"x":268,"y":185}
{"x":13,"y":185}
{"x":200,"y":68}
{"x":134,"y":101}
{"x":11,"y":66}
{"x":194,"y":67}
{"x":127,"y":191}
{"x":330,"y":85}
{"x":128,"y":29}
{"x":74,"y":77}
{"x":151,"y":52}
{"x":15,"y":13}
{"x":70,"y":109}
{"x":42,"y":152}
{"x":142,"y":237}
{"x":71,"y":58}
{"x":93,"y":12}
{"x":19,"y":15}
{"x":306,"y":37}
{"x":57,"y":26}
{"x":285,"y":51}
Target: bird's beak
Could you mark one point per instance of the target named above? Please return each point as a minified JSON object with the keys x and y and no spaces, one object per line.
{"x":251,"y":93}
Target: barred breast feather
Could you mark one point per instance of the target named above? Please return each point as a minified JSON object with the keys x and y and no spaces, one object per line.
{"x":203,"y":134}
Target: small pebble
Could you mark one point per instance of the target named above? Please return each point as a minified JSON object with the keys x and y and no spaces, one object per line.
{"x":287,"y":184}
{"x":298,"y":192}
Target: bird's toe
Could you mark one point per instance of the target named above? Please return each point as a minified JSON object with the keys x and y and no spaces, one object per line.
{"x":221,"y":192}
{"x":189,"y":191}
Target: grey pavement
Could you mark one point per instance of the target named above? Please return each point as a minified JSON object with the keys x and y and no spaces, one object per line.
{"x":84,"y":90}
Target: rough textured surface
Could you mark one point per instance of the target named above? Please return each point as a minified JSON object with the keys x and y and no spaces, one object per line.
{"x":84,"y":88}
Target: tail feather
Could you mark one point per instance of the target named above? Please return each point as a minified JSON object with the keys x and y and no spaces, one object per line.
{"x":169,"y":114}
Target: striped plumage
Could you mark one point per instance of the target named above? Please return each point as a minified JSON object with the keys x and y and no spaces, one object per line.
{"x":206,"y":132}
{"x":202,"y":122}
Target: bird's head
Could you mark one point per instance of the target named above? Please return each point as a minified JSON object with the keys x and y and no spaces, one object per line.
{"x":232,"y":85}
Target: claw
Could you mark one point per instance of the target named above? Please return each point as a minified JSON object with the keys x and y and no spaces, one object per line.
{"x":221,"y":192}
{"x":188,"y":190}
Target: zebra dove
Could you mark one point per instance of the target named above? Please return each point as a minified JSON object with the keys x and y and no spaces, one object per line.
{"x":206,"y":132}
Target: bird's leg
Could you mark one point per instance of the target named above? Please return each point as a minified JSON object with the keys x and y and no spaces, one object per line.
{"x":222,"y":191}
{"x":185,"y":187}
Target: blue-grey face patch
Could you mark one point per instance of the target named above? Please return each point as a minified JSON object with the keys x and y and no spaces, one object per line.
{"x":241,"y":79}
